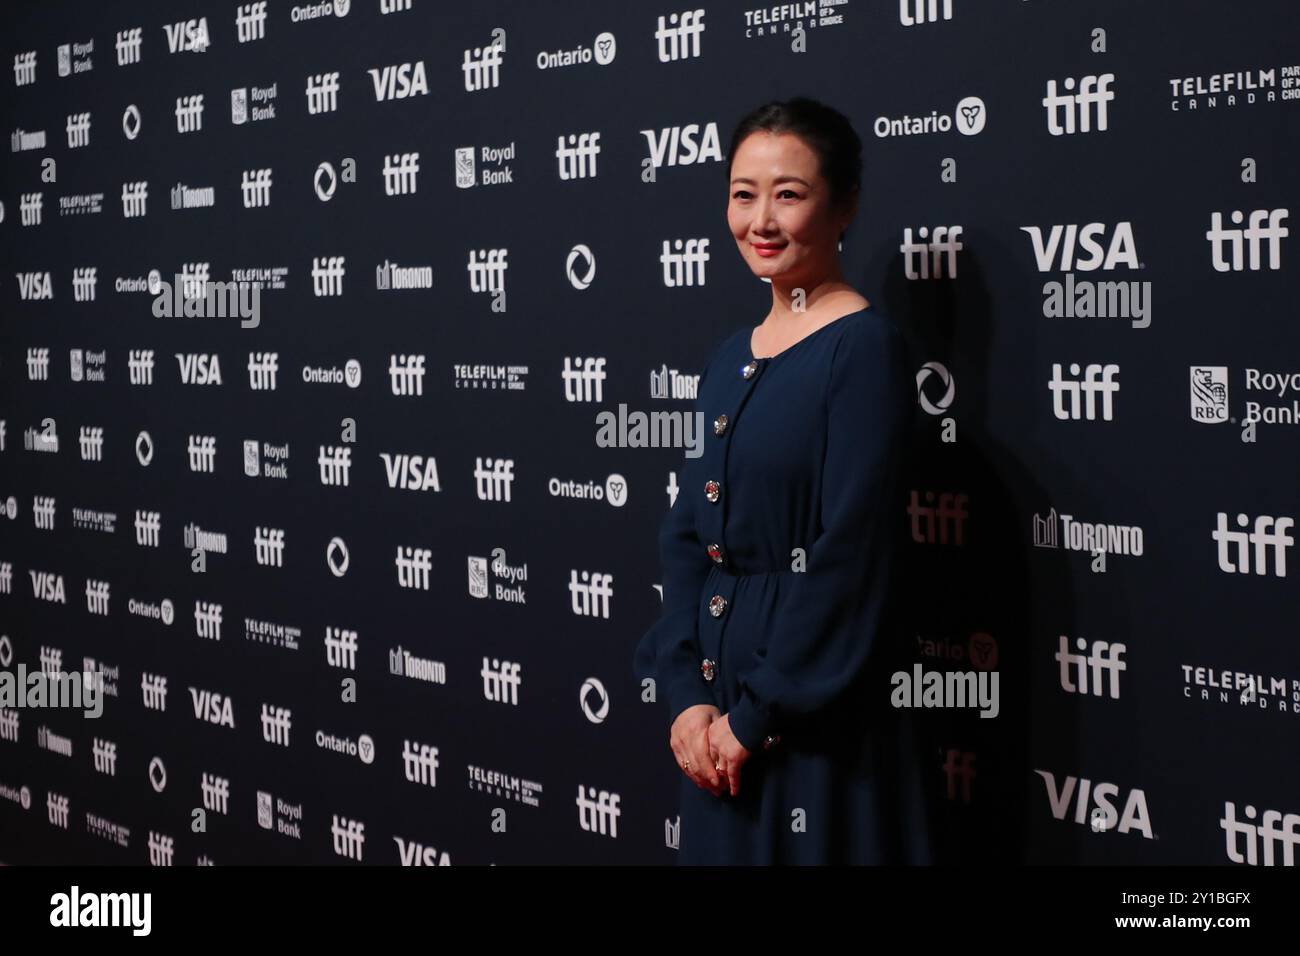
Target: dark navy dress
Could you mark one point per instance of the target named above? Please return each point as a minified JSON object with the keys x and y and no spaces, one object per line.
{"x":777,"y":559}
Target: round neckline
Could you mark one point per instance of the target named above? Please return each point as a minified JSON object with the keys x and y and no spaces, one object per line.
{"x":795,"y":345}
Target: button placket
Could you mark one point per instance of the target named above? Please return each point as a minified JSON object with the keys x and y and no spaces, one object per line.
{"x":719,"y":602}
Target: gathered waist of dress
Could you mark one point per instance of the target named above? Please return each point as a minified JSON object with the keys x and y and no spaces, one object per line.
{"x":734,"y":572}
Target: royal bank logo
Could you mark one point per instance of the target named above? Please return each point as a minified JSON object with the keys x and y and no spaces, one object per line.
{"x":264,"y":460}
{"x":495,"y":171}
{"x":1209,"y":393}
{"x":275,"y":813}
{"x":263,"y":104}
{"x":76,"y":58}
{"x":500,"y":580}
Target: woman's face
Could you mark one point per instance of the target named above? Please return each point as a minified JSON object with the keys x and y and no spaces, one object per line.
{"x":780,"y":211}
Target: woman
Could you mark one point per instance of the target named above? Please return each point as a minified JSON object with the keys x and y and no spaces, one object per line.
{"x":775,"y":643}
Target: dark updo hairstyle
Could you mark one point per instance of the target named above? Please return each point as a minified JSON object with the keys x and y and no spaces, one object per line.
{"x":827,"y":132}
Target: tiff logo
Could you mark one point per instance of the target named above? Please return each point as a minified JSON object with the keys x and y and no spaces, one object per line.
{"x":38,"y":364}
{"x":147,"y":525}
{"x":683,"y":262}
{"x":679,"y":37}
{"x":207,"y":620}
{"x":341,"y":648}
{"x":335,"y":465}
{"x":327,"y":275}
{"x":262,"y":367}
{"x":501,"y":680}
{"x":598,"y":811}
{"x":1075,"y":668}
{"x":203,"y":453}
{"x":590,"y":594}
{"x":84,"y":281}
{"x":1249,"y":239}
{"x":912,"y":12}
{"x":161,"y":849}
{"x":413,"y":566}
{"x":944,"y":523}
{"x":43,"y":512}
{"x":189,"y":113}
{"x":96,"y":596}
{"x":577,"y":157}
{"x":134,"y":199}
{"x":139,"y":363}
{"x":481,"y":67}
{"x":1099,"y":380}
{"x":276,"y":723}
{"x":250,"y":21}
{"x":487,"y":270}
{"x":56,"y":808}
{"x":420,"y":763}
{"x":583,"y":378}
{"x":268,"y":546}
{"x":216,"y":793}
{"x":255,"y":187}
{"x":127,"y":43}
{"x":78,"y":129}
{"x":91,"y":440}
{"x":399,"y":173}
{"x":25,"y":68}
{"x":153,"y":687}
{"x":322,"y":93}
{"x":406,"y":374}
{"x":1234,"y":555}
{"x":1076,"y":109}
{"x":935,"y":254}
{"x":1266,"y":831}
{"x":493,"y":478}
{"x":29,"y":207}
{"x":104,"y":753}
{"x":349,"y":837}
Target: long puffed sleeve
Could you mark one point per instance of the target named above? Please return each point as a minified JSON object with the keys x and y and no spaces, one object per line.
{"x":670,"y":650}
{"x":826,"y":625}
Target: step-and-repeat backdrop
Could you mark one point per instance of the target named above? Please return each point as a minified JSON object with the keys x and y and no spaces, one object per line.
{"x":338,"y":341}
